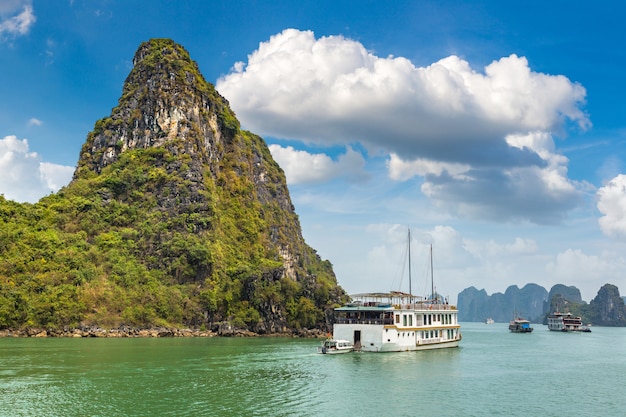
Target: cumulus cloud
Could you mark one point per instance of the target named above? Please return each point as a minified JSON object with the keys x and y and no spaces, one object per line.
{"x":332,"y":90}
{"x":612,"y":204}
{"x":303,"y":167}
{"x":587,"y":271}
{"x":482,"y":140}
{"x":16,"y":18}
{"x":23,"y":176}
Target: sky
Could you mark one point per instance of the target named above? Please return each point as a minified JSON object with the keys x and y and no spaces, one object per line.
{"x":494,"y":131}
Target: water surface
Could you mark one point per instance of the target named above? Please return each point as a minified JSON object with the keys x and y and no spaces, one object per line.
{"x":493,"y":373}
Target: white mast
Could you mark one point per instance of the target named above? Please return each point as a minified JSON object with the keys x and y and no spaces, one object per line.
{"x":410,"y":290}
{"x":432,"y":274}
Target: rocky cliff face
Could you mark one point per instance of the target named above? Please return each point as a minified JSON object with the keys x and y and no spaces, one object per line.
{"x":174,"y":216}
{"x":560,"y":297}
{"x":167,"y":104}
{"x":608,"y":307}
{"x":164,"y":99}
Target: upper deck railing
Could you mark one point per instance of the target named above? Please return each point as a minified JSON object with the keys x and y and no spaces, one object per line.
{"x":399,"y":300}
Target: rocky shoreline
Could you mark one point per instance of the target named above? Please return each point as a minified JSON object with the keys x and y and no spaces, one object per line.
{"x":151,"y":332}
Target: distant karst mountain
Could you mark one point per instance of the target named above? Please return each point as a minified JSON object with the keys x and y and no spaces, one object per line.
{"x":475,"y":305}
{"x":535,"y":303}
{"x":174,"y":217}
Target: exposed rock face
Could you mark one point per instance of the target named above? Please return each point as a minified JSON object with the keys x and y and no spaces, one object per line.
{"x":167,"y":103}
{"x":164,"y":98}
{"x":472,"y":305}
{"x":608,"y":307}
{"x":559,"y":296}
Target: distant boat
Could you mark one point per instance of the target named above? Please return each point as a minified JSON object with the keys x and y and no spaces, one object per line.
{"x":566,"y":322}
{"x":489,"y":320}
{"x":520,"y":325}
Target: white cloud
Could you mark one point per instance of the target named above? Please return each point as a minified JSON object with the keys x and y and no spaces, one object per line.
{"x":34,"y":122}
{"x":23,"y":176}
{"x":16,"y":19}
{"x":540,"y":191}
{"x":492,"y":249}
{"x":587,"y":272}
{"x":402,"y":170}
{"x":612,"y":204}
{"x":303,"y":167}
{"x":332,"y":90}
{"x":481,"y":140}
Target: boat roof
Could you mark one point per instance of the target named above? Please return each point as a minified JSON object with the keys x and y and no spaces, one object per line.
{"x":390,"y":297}
{"x":383,"y":301}
{"x":360,"y":307}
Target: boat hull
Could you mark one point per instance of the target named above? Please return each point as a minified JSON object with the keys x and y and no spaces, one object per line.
{"x":379,"y":338}
{"x":326,"y":351}
{"x":528,"y":330}
{"x":401,"y":348}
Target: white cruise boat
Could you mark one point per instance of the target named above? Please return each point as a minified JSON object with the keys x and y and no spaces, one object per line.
{"x":397,"y":321}
{"x":566,"y":322}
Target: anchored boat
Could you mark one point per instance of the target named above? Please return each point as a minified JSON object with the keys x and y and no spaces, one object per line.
{"x":566,"y":322}
{"x":397,"y":321}
{"x":520,"y":325}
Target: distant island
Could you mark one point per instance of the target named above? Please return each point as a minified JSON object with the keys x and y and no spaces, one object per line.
{"x":535,"y":303}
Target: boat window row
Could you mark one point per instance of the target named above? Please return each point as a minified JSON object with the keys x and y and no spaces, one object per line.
{"x":438,"y":334}
{"x":388,"y":318}
{"x":426,"y":319}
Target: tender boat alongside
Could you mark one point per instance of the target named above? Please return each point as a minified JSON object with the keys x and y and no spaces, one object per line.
{"x":566,"y":322}
{"x":333,"y":347}
{"x":520,"y":325}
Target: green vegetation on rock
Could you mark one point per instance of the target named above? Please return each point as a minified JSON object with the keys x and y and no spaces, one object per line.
{"x":175,"y":217}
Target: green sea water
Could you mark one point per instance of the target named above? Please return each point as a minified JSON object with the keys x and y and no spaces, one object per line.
{"x":493,"y":373}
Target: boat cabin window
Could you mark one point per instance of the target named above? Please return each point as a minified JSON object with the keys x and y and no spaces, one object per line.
{"x":364,"y":317}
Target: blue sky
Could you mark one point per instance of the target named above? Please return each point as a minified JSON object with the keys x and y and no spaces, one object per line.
{"x":494,"y":130}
